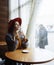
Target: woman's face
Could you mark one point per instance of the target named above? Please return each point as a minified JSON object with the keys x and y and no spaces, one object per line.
{"x":17,"y":26}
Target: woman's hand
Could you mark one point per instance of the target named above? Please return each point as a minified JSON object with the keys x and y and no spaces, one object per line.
{"x":16,"y":37}
{"x":26,"y":40}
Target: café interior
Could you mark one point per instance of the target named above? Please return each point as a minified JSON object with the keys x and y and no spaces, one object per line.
{"x":33,"y":13}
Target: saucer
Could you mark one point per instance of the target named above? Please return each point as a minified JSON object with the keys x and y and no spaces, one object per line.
{"x":25,"y":51}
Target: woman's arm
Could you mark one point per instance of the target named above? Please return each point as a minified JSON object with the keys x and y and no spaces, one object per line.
{"x":11,"y":43}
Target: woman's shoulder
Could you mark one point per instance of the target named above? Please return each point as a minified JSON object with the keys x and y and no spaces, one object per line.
{"x":8,"y":35}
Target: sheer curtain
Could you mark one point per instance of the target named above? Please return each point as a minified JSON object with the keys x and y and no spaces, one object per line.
{"x":32,"y":23}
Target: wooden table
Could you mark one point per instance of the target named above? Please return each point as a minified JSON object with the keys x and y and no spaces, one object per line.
{"x":34,"y":56}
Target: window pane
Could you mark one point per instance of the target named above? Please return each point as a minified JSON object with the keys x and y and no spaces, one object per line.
{"x":25,"y":15}
{"x":13,"y":8}
{"x":23,"y":1}
{"x":45,"y":14}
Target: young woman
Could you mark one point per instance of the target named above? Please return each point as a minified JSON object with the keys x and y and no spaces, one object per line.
{"x":15,"y":37}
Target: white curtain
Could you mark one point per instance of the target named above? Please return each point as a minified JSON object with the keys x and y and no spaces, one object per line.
{"x":32,"y":23}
